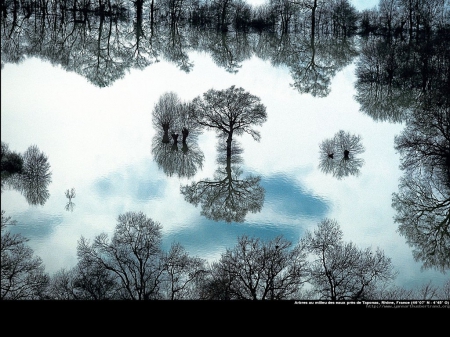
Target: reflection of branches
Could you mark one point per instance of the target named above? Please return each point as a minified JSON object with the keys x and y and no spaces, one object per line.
{"x":35,"y":176}
{"x":338,"y":155}
{"x":423,"y":214}
{"x":379,"y":91}
{"x":426,"y":141}
{"x":183,"y":162}
{"x":176,"y":48}
{"x":70,"y":195}
{"x":423,"y":200}
{"x":312,"y":62}
{"x":226,"y":197}
{"x":393,"y":77}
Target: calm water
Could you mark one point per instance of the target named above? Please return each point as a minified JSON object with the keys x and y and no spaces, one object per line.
{"x":99,"y":141}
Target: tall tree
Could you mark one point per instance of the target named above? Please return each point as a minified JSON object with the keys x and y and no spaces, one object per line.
{"x":258,"y":270}
{"x":133,"y":255}
{"x":230,"y":111}
{"x":341,"y":271}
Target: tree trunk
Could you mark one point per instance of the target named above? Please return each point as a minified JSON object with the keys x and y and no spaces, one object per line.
{"x":313,"y":18}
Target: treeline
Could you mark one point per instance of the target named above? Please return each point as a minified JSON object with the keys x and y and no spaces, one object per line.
{"x":132,"y":266}
{"x":331,"y":16}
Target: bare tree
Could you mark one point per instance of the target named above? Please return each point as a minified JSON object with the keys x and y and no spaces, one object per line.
{"x":423,"y":211}
{"x":227,"y":196}
{"x":423,"y":200}
{"x":184,"y":162}
{"x":341,"y":271}
{"x":258,"y":270}
{"x":22,"y":273}
{"x":133,"y":255}
{"x":165,"y":113}
{"x":339,"y":155}
{"x":230,"y":111}
{"x":182,"y":274}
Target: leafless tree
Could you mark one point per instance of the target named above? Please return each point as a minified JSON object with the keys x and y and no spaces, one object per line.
{"x":23,"y":274}
{"x":341,"y":271}
{"x":232,"y":111}
{"x":133,"y":255}
{"x":165,"y":113}
{"x":227,"y":196}
{"x":339,"y":155}
{"x":258,"y":270}
{"x":182,"y":274}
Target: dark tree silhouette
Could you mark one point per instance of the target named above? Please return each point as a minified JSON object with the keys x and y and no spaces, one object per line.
{"x":182,"y":274}
{"x":11,"y":162}
{"x":85,"y":281}
{"x":258,"y":270}
{"x":423,"y":200}
{"x":340,"y":271}
{"x":381,"y":90}
{"x":22,"y":273}
{"x":227,"y":196}
{"x":425,"y":141}
{"x":33,"y":178}
{"x":232,"y":111}
{"x":338,"y":155}
{"x":133,"y":255}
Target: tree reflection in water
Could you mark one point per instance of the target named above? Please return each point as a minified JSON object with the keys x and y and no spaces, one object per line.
{"x":184,"y":162}
{"x":406,"y":80}
{"x":339,"y":155}
{"x":33,"y":178}
{"x":103,"y":45}
{"x":399,"y":79}
{"x":423,"y":200}
{"x":226,"y":197}
{"x":70,"y":194}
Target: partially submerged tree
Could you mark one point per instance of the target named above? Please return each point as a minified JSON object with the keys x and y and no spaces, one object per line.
{"x":165,"y":113}
{"x":339,"y":155}
{"x":171,"y":114}
{"x":33,"y":177}
{"x":227,"y":196}
{"x":231,"y":111}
